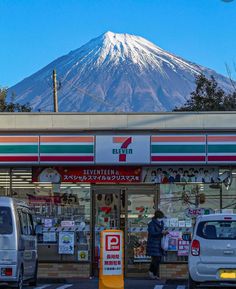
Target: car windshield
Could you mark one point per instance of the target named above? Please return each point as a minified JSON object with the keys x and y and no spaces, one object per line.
{"x":217,"y":230}
{"x":5,"y":221}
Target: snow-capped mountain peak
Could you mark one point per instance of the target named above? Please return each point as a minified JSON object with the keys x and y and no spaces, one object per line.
{"x":115,"y":72}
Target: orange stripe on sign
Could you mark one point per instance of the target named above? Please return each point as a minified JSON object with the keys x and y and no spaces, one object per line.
{"x":221,"y":138}
{"x":178,"y":138}
{"x":120,"y":139}
{"x":18,"y":139}
{"x":71,"y":139}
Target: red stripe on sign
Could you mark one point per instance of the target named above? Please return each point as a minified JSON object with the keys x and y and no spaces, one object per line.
{"x":221,"y":158}
{"x":178,"y":159}
{"x":221,"y":138}
{"x":18,"y":159}
{"x":180,"y":138}
{"x":67,"y":158}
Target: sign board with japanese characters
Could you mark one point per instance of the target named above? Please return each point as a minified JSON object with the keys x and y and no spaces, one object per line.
{"x":123,"y":149}
{"x":111,"y":252}
{"x":194,"y":212}
{"x":183,"y":247}
{"x":89,"y":174}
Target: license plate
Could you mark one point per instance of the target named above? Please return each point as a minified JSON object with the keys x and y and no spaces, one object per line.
{"x":228,"y":274}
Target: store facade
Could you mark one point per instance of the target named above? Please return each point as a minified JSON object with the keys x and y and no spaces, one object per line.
{"x":83,"y":173}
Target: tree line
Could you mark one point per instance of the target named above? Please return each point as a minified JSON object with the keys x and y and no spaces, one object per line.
{"x":11,"y":106}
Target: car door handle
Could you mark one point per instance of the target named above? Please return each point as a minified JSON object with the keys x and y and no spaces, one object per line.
{"x":229,"y":252}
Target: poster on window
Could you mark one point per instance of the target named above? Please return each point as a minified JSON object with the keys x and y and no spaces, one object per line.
{"x":183,"y":247}
{"x":173,"y":244}
{"x":66,"y":243}
{"x":139,"y":243}
{"x":173,"y":240}
{"x":49,"y":237}
{"x":83,"y":255}
{"x":168,"y":175}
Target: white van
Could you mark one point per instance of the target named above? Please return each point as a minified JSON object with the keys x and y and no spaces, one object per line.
{"x":212,"y":256}
{"x":18,"y":244}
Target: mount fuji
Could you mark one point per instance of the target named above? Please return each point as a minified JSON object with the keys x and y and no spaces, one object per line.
{"x":115,"y":73}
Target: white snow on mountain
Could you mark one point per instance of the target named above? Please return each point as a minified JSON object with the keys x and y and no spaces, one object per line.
{"x":115,"y":72}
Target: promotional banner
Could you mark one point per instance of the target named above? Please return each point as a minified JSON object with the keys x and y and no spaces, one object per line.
{"x":87,"y":174}
{"x":168,"y":175}
{"x":43,"y":200}
{"x":129,"y":149}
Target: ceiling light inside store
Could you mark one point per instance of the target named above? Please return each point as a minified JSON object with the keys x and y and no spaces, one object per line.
{"x":19,"y":182}
{"x":22,"y":173}
{"x":22,"y":187}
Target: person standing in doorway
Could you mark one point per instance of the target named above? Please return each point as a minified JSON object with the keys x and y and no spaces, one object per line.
{"x":155,"y":233}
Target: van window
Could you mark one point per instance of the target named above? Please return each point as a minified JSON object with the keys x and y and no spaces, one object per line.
{"x":31,"y":225}
{"x":26,"y":223}
{"x":23,"y":222}
{"x":221,"y":230}
{"x":5,"y":221}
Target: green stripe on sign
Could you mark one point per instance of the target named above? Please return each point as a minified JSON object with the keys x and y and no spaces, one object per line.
{"x":66,"y":149}
{"x":181,"y":149}
{"x":18,"y":149}
{"x":225,"y":148}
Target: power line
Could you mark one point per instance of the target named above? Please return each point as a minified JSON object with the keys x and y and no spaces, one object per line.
{"x":105,"y":102}
{"x":83,"y":90}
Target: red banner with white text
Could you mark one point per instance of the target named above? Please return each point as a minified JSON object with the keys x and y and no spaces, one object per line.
{"x":87,"y":174}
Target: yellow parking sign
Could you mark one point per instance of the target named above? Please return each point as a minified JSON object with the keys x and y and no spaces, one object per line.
{"x":111,"y":273}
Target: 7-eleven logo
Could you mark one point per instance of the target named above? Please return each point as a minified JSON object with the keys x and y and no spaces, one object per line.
{"x":123,"y":150}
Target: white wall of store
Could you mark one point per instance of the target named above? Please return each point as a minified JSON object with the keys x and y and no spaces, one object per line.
{"x":66,"y":122}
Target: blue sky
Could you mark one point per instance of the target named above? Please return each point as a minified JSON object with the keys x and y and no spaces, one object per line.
{"x":35,"y":32}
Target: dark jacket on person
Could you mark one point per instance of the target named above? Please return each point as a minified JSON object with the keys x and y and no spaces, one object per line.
{"x":155,"y":228}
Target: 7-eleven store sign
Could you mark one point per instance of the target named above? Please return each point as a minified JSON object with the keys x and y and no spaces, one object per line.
{"x":128,"y":149}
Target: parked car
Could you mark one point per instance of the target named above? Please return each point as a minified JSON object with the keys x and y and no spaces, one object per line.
{"x":212,"y":256}
{"x":18,"y":245}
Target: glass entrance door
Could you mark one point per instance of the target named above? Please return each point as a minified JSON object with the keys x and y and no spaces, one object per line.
{"x":141,"y":204}
{"x":106,"y":214}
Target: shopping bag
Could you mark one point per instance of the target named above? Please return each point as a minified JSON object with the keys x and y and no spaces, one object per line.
{"x":165,"y":242}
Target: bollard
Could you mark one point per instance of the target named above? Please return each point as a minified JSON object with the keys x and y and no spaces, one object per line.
{"x":111,"y":273}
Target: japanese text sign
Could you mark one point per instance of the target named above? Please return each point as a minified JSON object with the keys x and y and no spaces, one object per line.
{"x":112,"y":252}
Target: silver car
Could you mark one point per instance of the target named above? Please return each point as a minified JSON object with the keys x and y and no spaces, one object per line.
{"x":18,"y":247}
{"x":212,"y":256}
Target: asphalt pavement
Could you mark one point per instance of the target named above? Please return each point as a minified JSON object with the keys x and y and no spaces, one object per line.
{"x":130,"y":283}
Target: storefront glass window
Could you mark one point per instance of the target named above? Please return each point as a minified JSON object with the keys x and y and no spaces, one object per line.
{"x":5,"y":182}
{"x":61,"y":216}
{"x":140,"y":211}
{"x":181,"y":203}
{"x":229,"y":195}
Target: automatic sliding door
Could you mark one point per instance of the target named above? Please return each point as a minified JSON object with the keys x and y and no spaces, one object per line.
{"x":140,"y":209}
{"x":106,"y":216}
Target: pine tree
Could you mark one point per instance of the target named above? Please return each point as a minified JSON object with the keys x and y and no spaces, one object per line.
{"x":208,"y":96}
{"x":11,"y":106}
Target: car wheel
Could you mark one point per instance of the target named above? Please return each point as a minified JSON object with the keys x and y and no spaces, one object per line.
{"x":191,"y":283}
{"x":33,"y":282}
{"x":19,"y":284}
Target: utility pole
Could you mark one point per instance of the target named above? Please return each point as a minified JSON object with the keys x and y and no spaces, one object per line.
{"x":55,"y":99}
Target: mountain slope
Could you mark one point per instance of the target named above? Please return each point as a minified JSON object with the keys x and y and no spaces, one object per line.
{"x":115,"y":72}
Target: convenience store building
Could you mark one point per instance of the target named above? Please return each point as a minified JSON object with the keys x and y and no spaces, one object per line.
{"x":83,"y":173}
